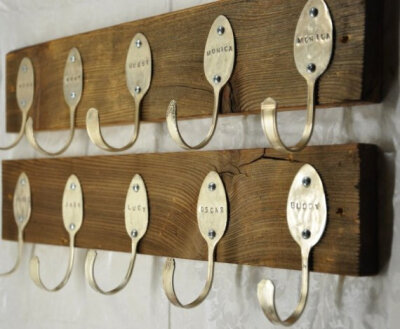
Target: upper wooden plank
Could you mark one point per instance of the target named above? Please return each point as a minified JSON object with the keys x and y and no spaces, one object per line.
{"x":264,"y":32}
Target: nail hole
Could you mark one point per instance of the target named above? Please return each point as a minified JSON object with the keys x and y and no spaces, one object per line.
{"x":340,"y":211}
{"x":344,"y":39}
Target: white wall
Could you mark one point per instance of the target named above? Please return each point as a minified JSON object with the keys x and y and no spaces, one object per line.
{"x":334,"y":302}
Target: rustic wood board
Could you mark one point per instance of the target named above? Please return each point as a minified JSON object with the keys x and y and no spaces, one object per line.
{"x":257,"y":183}
{"x":264,"y":32}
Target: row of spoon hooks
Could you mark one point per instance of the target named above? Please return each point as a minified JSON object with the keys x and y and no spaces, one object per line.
{"x":306,"y":218}
{"x":313,"y":44}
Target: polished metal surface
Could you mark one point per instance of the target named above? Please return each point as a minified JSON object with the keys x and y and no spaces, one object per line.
{"x":136,"y":222}
{"x":25,"y":91}
{"x":22,"y":214}
{"x":219,"y":59}
{"x":138,"y":68}
{"x":306,"y":216}
{"x":73,"y":84}
{"x":313,"y":41}
{"x":72,"y":212}
{"x":212,"y":218}
{"x":306,"y":207}
{"x":313,"y":44}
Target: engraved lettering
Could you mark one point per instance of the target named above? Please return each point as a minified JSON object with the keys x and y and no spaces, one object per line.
{"x":303,"y":205}
{"x":218,"y":50}
{"x":140,"y":63}
{"x":26,"y":85}
{"x":136,"y":207}
{"x":72,"y":204}
{"x":308,"y":39}
{"x":23,"y":199}
{"x":72,"y":78}
{"x":211,"y":210}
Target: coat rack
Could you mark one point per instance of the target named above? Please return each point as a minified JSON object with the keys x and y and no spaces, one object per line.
{"x":264,"y":55}
{"x":243,"y":203}
{"x":257,"y":183}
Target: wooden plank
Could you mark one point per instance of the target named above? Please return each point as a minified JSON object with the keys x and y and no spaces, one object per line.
{"x":264,"y":31}
{"x":257,"y":183}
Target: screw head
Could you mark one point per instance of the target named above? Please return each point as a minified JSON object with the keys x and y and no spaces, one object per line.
{"x":73,"y":95}
{"x":24,"y":68}
{"x":212,"y":186}
{"x":311,"y":68}
{"x":134,"y":233}
{"x":306,"y":234}
{"x":23,"y":103}
{"x":217,"y":79}
{"x":72,"y":186}
{"x":220,"y":30}
{"x":138,"y":90}
{"x":20,"y":219}
{"x":136,"y":187}
{"x":72,"y":227}
{"x":138,"y":43}
{"x":72,"y":59}
{"x":313,"y":12}
{"x":211,"y":234}
{"x":22,"y":181}
{"x":306,"y":181}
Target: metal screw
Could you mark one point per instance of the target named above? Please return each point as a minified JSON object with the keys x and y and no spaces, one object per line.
{"x":72,"y":58}
{"x":211,"y":234}
{"x":136,"y":187}
{"x":24,"y":68}
{"x":212,"y":186}
{"x":306,"y":181}
{"x":23,"y":103}
{"x":138,"y":43}
{"x":20,"y":218}
{"x":22,"y":181}
{"x":311,"y":68}
{"x":72,"y":186}
{"x":138,"y":90}
{"x":313,"y":12}
{"x":73,"y":95}
{"x":134,"y":233}
{"x":217,"y":79}
{"x":72,"y":227}
{"x":306,"y":234}
{"x":220,"y":30}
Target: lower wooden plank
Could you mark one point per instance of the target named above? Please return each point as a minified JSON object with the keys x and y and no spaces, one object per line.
{"x":257,"y":183}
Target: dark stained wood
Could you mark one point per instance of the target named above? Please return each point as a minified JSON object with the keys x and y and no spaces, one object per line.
{"x":257,"y":183}
{"x":264,"y":31}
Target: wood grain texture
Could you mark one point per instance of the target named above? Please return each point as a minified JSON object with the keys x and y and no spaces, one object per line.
{"x":257,"y":182}
{"x":264,"y":32}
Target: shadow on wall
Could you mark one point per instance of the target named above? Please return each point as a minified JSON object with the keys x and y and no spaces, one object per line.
{"x":390,"y":44}
{"x":387,"y":166}
{"x":386,"y":179}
